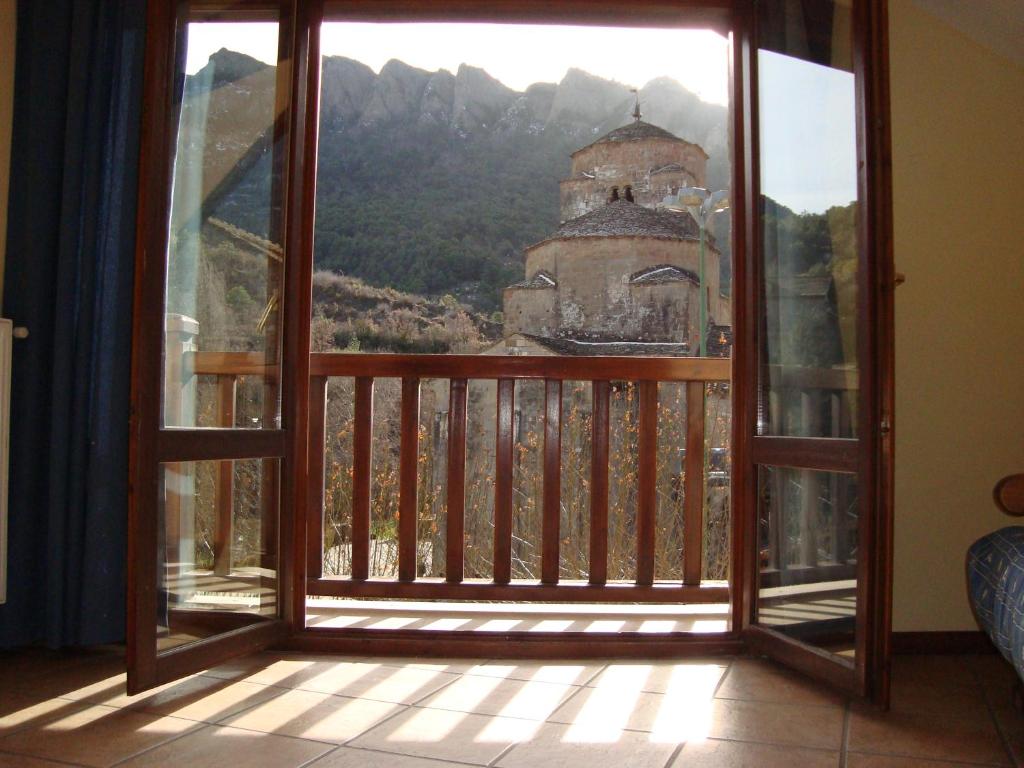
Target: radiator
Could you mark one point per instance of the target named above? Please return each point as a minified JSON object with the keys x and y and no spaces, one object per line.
{"x":6,"y":338}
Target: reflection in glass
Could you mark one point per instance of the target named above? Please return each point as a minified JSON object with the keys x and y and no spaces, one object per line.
{"x":224,"y":257}
{"x":217,"y":551}
{"x":808,"y":533}
{"x":809,"y":220}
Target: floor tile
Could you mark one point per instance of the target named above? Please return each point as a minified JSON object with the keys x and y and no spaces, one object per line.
{"x":661,"y":677}
{"x":570,"y":673}
{"x":374,"y":681}
{"x":1010,"y":723}
{"x":997,"y":678}
{"x":445,"y":735}
{"x":497,"y":696}
{"x":951,"y":671}
{"x":854,"y":760}
{"x":22,"y":761}
{"x":17,"y":711}
{"x":762,"y":680}
{"x":284,"y":670}
{"x":926,"y":734}
{"x":312,"y":715}
{"x":205,"y":698}
{"x":218,"y":746}
{"x":939,"y":699}
{"x":676,"y":716}
{"x":800,"y":725}
{"x":96,"y":736}
{"x":345,"y":757}
{"x":560,"y":746}
{"x":711,"y":753}
{"x":455,"y":666}
{"x":106,"y":671}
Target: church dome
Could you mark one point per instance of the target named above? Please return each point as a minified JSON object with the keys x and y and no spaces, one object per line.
{"x":637,"y":130}
{"x":621,"y":218}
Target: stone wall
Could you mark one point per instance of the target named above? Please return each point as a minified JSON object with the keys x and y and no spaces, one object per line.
{"x":601,"y":302}
{"x":599,"y":167}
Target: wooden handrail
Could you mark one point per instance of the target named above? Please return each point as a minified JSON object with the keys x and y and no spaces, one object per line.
{"x":521,"y":367}
{"x":553,"y":370}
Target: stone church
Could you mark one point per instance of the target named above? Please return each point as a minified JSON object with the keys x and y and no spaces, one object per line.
{"x":620,"y":274}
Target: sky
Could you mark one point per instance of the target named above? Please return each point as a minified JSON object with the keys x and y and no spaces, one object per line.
{"x":509,"y":52}
{"x":808,"y":159}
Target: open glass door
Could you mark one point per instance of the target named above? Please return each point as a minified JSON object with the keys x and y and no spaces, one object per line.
{"x":815,"y":522}
{"x":211,"y":443}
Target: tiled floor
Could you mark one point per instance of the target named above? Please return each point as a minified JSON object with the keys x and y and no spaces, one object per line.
{"x":282,"y":710}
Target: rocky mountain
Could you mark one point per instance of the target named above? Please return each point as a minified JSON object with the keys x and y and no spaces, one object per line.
{"x":433,"y":182}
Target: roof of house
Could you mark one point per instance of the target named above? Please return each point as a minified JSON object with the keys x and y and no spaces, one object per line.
{"x":255,"y":241}
{"x":621,"y":218}
{"x":634,"y":131}
{"x":540,"y":279}
{"x":663,"y":273}
{"x":579,"y":347}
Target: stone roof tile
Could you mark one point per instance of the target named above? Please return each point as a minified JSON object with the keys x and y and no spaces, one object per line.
{"x":622,"y":218}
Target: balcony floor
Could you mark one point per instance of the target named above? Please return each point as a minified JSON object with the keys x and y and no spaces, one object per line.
{"x":279,"y":710}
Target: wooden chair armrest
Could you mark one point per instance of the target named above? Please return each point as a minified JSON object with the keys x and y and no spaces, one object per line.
{"x":1009,"y":494}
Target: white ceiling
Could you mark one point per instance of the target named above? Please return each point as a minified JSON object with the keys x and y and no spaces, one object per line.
{"x":996,"y":24}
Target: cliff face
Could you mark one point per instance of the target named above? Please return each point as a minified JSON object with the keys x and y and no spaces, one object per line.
{"x":471,"y":101}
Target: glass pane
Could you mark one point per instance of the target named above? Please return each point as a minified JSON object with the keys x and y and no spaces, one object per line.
{"x":224,"y":256}
{"x":808,"y":529}
{"x":217,"y":551}
{"x":809,"y":219}
{"x":471,"y":199}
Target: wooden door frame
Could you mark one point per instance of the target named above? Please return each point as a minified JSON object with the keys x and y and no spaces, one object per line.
{"x":727,"y":16}
{"x":873,"y":458}
{"x":150,"y":444}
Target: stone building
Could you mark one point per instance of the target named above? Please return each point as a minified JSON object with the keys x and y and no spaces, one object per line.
{"x":620,"y":275}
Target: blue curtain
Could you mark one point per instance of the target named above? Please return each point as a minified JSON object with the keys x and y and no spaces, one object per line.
{"x":68,"y":279}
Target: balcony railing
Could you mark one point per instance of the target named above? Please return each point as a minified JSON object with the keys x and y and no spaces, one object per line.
{"x":602,"y":374}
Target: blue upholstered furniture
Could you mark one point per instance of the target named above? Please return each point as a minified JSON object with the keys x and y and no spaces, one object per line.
{"x":995,"y":577}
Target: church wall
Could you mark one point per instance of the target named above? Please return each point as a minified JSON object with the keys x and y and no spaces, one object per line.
{"x":530,"y":310}
{"x":602,"y":302}
{"x":629,"y":162}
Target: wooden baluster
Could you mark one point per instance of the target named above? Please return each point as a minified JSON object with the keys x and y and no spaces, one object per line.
{"x":503,"y":482}
{"x":599,"y":483}
{"x":647,"y":479}
{"x":315,"y":494}
{"x":840,"y":496}
{"x":454,"y":563}
{"x":407,"y":481}
{"x":809,"y":498}
{"x":694,"y":484}
{"x":552,"y":481}
{"x":362,"y":466}
{"x":223,"y":504}
{"x":777,"y":507}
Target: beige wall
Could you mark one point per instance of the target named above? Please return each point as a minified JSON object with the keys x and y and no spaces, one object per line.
{"x":7,"y":28}
{"x":958,"y":183}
